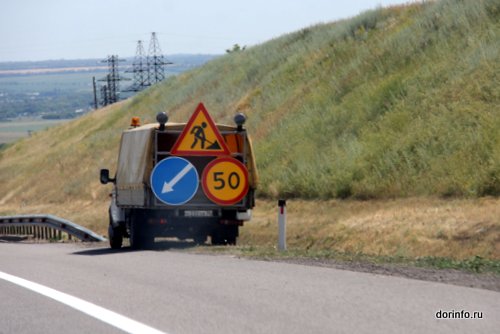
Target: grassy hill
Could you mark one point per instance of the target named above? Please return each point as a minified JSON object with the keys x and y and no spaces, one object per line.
{"x":396,"y":102}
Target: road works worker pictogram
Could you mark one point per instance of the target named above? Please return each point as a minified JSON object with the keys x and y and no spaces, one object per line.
{"x":200,"y":136}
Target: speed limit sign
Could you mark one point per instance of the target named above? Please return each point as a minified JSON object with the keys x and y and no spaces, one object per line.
{"x":225,"y":181}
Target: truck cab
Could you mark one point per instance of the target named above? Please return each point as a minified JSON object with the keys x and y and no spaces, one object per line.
{"x":189,"y":180}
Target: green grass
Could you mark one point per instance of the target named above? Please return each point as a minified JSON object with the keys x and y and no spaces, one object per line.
{"x":474,"y":264}
{"x":406,"y":111}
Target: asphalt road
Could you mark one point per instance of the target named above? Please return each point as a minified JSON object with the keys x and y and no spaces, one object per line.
{"x":180,"y":293}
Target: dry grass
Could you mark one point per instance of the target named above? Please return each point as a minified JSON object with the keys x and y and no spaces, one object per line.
{"x":417,"y":227}
{"x":92,"y":215}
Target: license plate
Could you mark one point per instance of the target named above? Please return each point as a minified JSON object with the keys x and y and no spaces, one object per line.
{"x":198,"y":213}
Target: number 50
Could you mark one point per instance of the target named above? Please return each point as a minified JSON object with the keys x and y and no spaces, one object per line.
{"x":232,"y":180}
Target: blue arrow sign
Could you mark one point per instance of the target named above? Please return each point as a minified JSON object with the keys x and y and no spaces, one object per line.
{"x":174,"y":181}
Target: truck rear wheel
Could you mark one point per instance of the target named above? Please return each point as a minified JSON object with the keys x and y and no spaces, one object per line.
{"x":225,"y":235}
{"x":115,"y":236}
{"x":200,"y":239}
{"x":140,"y":236}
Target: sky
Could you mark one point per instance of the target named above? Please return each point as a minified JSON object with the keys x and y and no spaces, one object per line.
{"x":78,"y":29}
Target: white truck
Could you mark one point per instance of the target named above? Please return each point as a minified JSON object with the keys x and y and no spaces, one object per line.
{"x":186,"y":180}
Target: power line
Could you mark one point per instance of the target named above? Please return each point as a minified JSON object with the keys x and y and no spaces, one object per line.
{"x":147,"y":70}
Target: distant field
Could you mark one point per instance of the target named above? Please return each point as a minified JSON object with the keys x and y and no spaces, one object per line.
{"x":57,"y":95}
{"x":50,"y":82}
{"x":56,"y":89}
{"x":12,"y":131}
{"x":52,"y":70}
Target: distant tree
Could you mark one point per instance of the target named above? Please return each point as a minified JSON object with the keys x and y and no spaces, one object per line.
{"x":236,"y":48}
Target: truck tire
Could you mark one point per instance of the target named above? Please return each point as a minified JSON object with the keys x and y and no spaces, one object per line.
{"x":225,"y":235}
{"x":140,"y":236}
{"x":200,"y":239}
{"x":115,"y":236}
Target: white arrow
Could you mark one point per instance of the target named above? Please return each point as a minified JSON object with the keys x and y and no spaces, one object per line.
{"x":168,"y":187}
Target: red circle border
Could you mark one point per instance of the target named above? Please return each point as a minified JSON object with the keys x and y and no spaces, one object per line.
{"x":204,"y":180}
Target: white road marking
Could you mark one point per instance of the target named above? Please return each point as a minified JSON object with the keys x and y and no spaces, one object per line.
{"x":112,"y":318}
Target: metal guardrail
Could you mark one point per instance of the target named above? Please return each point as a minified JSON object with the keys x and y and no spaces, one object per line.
{"x":45,"y":227}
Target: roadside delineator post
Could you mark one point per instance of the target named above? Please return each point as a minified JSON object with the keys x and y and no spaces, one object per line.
{"x":282,"y":225}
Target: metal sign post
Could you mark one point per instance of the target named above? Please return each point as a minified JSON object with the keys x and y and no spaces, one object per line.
{"x":282,"y":225}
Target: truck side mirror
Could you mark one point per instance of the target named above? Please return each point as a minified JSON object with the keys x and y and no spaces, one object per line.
{"x":104,"y":176}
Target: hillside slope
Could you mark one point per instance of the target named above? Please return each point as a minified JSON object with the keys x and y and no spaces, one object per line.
{"x":395,"y":102}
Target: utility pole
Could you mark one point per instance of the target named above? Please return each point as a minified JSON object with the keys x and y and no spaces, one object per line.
{"x":112,"y":80}
{"x":140,"y":70}
{"x":95,"y":93}
{"x":104,"y":95}
{"x":156,"y":61}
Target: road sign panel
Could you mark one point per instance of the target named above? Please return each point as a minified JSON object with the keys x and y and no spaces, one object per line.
{"x":174,"y":181}
{"x":225,"y":181}
{"x":200,"y":136}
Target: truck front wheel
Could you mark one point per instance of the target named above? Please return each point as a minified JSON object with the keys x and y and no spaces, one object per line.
{"x":115,"y":234}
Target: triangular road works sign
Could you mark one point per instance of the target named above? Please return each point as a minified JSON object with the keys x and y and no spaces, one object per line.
{"x":200,"y":136}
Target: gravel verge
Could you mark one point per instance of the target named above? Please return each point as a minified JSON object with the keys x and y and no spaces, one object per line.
{"x":488,"y":281}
